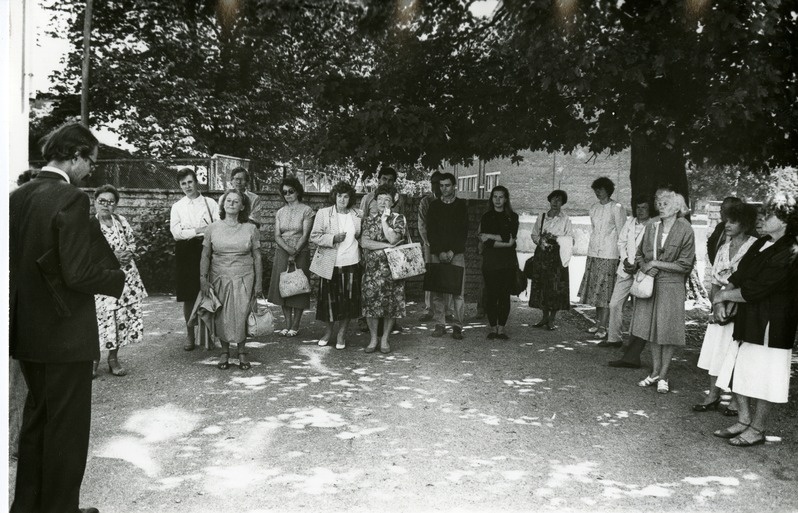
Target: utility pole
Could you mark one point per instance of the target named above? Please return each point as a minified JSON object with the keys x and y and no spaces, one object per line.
{"x":84,"y":87}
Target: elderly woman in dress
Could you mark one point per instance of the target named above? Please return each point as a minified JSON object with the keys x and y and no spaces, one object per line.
{"x":335,"y":232}
{"x":231,"y":266}
{"x":382,"y":297}
{"x":607,"y":218}
{"x":292,"y":226}
{"x":764,"y":290}
{"x":667,"y":252}
{"x":550,"y":283}
{"x":120,"y":321}
{"x":740,"y":221}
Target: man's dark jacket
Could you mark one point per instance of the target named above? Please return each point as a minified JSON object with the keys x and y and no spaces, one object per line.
{"x":53,"y":277}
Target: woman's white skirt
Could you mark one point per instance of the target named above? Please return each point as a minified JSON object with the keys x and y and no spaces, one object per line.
{"x":717,"y":342}
{"x":757,"y":371}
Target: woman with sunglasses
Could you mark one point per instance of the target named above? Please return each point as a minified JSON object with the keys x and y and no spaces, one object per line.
{"x":119,"y":320}
{"x":292,"y":226}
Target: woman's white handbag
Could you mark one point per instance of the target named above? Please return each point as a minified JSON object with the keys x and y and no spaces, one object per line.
{"x":260,"y":321}
{"x":293,"y":283}
{"x":643,"y":285}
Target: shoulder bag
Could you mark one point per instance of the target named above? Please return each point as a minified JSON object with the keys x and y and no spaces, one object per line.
{"x":406,"y":261}
{"x":643,"y":284}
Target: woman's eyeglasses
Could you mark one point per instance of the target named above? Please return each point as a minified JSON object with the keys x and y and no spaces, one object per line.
{"x":106,"y":202}
{"x":286,"y":192}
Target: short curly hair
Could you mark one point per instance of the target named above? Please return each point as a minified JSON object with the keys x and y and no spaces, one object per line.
{"x":743,"y":214}
{"x":243,"y":214}
{"x":603,"y":183}
{"x":785,"y":208}
{"x":291,"y":181}
{"x":390,"y":190}
{"x":558,"y":192}
{"x":343,"y":188}
{"x":107,"y":188}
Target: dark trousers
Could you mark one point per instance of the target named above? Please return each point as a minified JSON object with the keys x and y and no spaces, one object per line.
{"x":497,"y":291}
{"x":54,"y":440}
{"x":634,"y":350}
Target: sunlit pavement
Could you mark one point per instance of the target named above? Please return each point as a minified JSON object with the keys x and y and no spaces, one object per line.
{"x":538,"y":422}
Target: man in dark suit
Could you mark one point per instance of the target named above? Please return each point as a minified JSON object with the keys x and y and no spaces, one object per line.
{"x":53,"y":324}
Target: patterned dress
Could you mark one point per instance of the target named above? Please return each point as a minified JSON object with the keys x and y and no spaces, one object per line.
{"x":291,"y":219}
{"x":120,"y":320}
{"x":382,"y":296}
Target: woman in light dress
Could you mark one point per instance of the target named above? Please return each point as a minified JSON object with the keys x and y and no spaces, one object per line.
{"x":292,"y":225}
{"x":667,"y":252}
{"x":764,"y":293}
{"x":607,"y":218}
{"x":740,"y":222}
{"x":231,"y":266}
{"x":335,"y":232}
{"x":120,"y":321}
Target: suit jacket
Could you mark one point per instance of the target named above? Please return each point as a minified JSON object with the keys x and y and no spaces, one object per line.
{"x":714,"y":241}
{"x":678,"y":248}
{"x":768,"y":281}
{"x":325,"y":228}
{"x":53,"y":278}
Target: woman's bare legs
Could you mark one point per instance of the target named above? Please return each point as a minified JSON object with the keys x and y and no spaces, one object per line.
{"x":288,"y":313}
{"x":373,"y":322}
{"x":386,"y":331}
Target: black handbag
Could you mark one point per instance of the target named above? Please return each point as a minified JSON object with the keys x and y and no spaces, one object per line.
{"x":444,"y":278}
{"x":530,"y":262}
{"x":519,"y":286}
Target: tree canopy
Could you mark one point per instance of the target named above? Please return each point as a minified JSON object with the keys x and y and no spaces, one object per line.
{"x":712,"y":83}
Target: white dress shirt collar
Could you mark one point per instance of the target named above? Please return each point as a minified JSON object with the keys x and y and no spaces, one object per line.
{"x":56,"y":171}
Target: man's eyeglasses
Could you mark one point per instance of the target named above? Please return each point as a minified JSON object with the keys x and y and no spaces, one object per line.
{"x":106,"y":202}
{"x":286,"y":192}
{"x":92,"y":163}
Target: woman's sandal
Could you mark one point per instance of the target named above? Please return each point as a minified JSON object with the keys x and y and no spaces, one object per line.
{"x":223,"y":364}
{"x":728,"y":433}
{"x":662,"y":386}
{"x":370,"y":348}
{"x":119,"y":370}
{"x":291,"y":333}
{"x":730,"y":412}
{"x":739,"y":441}
{"x":649,"y":381}
{"x":282,"y":332}
{"x":244,"y":365}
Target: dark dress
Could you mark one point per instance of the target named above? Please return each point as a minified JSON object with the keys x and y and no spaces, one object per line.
{"x":550,"y":283}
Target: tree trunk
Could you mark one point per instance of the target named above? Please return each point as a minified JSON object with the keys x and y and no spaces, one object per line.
{"x":654,"y":166}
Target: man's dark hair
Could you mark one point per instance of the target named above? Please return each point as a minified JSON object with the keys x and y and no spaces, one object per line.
{"x":67,"y":141}
{"x":185,"y":172}
{"x":238,"y":170}
{"x":343,"y":188}
{"x":448,"y":176}
{"x":435,"y":176}
{"x":388,"y":170}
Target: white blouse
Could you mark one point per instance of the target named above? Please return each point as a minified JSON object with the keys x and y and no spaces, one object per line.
{"x":607,"y":221}
{"x":348,"y":250}
{"x":725,"y":265}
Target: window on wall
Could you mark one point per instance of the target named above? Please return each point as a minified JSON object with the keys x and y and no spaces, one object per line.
{"x":491,"y":180}
{"x":467,"y":183}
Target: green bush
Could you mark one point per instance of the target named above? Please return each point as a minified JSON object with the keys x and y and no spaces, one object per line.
{"x":155,"y":255}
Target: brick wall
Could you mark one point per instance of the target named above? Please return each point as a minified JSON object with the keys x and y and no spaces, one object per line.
{"x":135,"y":203}
{"x":530,"y":181}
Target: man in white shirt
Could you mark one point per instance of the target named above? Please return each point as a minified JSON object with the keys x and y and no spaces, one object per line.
{"x":239,"y":178}
{"x":188,"y":221}
{"x":628,"y":241}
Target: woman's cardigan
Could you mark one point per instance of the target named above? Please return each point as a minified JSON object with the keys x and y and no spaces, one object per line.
{"x":679,"y":249}
{"x":325,"y":228}
{"x":768,"y":281}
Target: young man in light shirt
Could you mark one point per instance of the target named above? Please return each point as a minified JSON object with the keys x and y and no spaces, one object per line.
{"x":188,"y":221}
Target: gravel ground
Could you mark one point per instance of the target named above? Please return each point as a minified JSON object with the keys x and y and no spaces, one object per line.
{"x":536,"y":423}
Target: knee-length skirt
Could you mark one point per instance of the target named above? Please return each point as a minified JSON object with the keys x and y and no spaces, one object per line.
{"x":718,"y":341}
{"x":660,"y":318}
{"x":598,"y":281}
{"x":339,"y":297}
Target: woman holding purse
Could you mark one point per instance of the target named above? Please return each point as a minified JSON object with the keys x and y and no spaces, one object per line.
{"x":292,"y":226}
{"x":335,"y":233}
{"x":231,"y":266}
{"x":550,"y":283}
{"x":667,"y":252}
{"x":740,"y":221}
{"x":382,"y":296}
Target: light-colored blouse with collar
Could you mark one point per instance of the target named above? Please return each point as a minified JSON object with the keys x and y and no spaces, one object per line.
{"x":725,"y":265}
{"x":607,"y":221}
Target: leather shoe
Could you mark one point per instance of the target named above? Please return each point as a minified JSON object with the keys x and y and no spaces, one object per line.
{"x":623,"y":364}
{"x":604,"y":343}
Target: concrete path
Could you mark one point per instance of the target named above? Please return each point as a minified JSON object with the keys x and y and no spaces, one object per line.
{"x":535,"y":423}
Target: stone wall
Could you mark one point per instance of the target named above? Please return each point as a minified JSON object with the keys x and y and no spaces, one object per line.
{"x":135,"y":204}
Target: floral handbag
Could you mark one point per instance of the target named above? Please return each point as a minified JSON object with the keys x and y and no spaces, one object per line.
{"x":406,"y":260}
{"x":293,"y":283}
